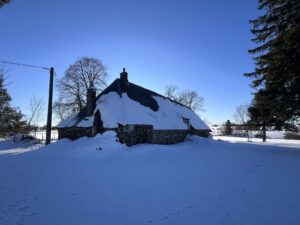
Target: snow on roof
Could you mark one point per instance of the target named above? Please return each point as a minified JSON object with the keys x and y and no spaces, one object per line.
{"x":69,"y":122}
{"x":116,"y":110}
{"x":127,"y":103}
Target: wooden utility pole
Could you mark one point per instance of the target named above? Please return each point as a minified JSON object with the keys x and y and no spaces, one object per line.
{"x":49,"y":117}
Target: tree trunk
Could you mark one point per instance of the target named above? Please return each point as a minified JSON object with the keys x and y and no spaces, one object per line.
{"x":264,"y":136}
{"x":248,"y":138}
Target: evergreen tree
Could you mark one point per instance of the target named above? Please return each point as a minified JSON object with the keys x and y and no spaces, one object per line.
{"x":228,"y":129}
{"x":277,"y":59}
{"x":11,"y":118}
{"x":261,"y":111}
{"x":3,"y":2}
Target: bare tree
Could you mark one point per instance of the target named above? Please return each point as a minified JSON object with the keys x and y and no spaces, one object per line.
{"x":171,"y":92}
{"x":62,"y":109}
{"x":241,"y":116}
{"x":36,"y":108}
{"x":73,"y":85}
{"x":192,"y":100}
{"x":188,"y":98}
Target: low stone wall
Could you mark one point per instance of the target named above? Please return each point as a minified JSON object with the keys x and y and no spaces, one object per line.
{"x":137,"y":134}
{"x":168,"y":136}
{"x":75,"y":132}
{"x":201,"y":133}
{"x":134,"y":134}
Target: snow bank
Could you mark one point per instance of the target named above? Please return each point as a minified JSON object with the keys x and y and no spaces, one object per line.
{"x":18,"y":144}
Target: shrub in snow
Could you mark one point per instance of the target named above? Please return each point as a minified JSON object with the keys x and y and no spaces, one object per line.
{"x":259,"y":135}
{"x":290,"y":135}
{"x":24,"y":138}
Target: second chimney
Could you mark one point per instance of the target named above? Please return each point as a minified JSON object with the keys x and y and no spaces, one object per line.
{"x":124,"y":75}
{"x":91,"y":100}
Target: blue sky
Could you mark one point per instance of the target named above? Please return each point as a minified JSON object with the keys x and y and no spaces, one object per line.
{"x":198,"y":45}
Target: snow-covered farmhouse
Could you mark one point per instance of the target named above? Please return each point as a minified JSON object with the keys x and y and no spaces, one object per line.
{"x":136,"y":114}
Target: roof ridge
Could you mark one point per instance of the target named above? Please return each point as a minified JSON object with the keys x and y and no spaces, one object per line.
{"x":160,"y":95}
{"x":120,"y":91}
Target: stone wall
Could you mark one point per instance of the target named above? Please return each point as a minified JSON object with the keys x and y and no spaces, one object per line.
{"x":201,"y":133}
{"x":134,"y":134}
{"x":75,"y":132}
{"x":168,"y":136}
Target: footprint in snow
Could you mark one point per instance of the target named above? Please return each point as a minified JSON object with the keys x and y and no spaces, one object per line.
{"x":227,"y":219}
{"x":164,"y":218}
{"x":12,"y":205}
{"x":72,"y":193}
{"x":249,"y":170}
{"x":180,"y":211}
{"x":30,"y":214}
{"x":22,"y":208}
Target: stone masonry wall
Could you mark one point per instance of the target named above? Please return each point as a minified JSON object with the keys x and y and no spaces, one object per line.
{"x":168,"y":136}
{"x":134,"y":134}
{"x":201,"y":133}
{"x":75,"y":132}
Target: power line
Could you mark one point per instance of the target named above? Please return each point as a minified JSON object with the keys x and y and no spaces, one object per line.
{"x":22,"y":64}
{"x":49,"y":116}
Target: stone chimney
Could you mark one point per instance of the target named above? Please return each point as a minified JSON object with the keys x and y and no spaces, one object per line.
{"x":124,"y":76}
{"x":91,"y":100}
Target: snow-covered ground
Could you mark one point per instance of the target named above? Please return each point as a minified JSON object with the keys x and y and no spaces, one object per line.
{"x":8,"y":146}
{"x":270,"y":141}
{"x":201,"y":181}
{"x":219,"y":131}
{"x":41,"y":135}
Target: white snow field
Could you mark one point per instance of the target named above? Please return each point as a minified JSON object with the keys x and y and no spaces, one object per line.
{"x":270,"y":141}
{"x":99,"y":181}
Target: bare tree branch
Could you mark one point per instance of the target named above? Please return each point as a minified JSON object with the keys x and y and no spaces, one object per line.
{"x":36,"y":108}
{"x":188,"y":98}
{"x":192,"y":100}
{"x":241,"y":115}
{"x":73,"y":85}
{"x":171,"y":92}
